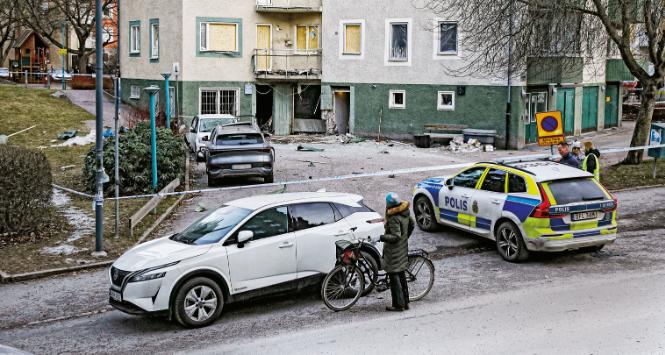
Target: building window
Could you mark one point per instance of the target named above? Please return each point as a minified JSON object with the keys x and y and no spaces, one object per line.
{"x":219,"y":37}
{"x":352,"y":39}
{"x":447,"y":43}
{"x":397,"y":99}
{"x":135,"y":92}
{"x":399,"y":42}
{"x":307,"y":38}
{"x":219,"y":101}
{"x":446,"y":101}
{"x":154,"y":39}
{"x":135,"y":38}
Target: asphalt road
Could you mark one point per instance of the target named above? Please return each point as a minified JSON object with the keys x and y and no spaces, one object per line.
{"x":69,"y":314}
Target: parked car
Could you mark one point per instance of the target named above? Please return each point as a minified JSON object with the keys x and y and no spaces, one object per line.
{"x":4,"y":73}
{"x":238,"y":150}
{"x":245,"y":248}
{"x":526,"y":206}
{"x":57,"y":74}
{"x":201,"y":127}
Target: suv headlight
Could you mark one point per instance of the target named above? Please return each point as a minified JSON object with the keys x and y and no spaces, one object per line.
{"x":146,"y":275}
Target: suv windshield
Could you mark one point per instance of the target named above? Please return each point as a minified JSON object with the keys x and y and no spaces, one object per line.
{"x":209,"y":124}
{"x":239,"y":139}
{"x":575,"y":190}
{"x":212,"y":227}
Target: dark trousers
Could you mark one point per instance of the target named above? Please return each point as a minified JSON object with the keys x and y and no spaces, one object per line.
{"x":399,"y":290}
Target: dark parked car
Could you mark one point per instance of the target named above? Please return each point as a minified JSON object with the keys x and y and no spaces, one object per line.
{"x":238,"y":150}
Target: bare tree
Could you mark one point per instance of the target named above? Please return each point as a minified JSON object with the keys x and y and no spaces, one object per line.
{"x":524,"y":36}
{"x":8,"y":26}
{"x":46,"y":17}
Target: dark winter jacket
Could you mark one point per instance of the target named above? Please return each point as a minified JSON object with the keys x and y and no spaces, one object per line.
{"x":399,"y":226}
{"x":570,"y":160}
{"x":591,"y":163}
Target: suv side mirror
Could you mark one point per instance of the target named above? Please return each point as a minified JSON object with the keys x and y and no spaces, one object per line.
{"x":245,"y":236}
{"x":193,"y":129}
{"x":205,"y":138}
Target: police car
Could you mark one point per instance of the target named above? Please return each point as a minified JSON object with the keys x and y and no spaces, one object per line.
{"x":523,"y":206}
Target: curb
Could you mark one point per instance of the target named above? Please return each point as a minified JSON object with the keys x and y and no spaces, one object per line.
{"x":10,"y":278}
{"x":638,"y":188}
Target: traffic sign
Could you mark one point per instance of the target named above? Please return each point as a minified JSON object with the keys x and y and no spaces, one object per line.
{"x":62,"y":51}
{"x":550,"y":128}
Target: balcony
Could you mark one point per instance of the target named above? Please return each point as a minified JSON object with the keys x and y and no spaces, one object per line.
{"x":289,"y":6}
{"x":287,"y":64}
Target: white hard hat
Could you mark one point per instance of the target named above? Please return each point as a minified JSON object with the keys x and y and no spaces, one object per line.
{"x":577,"y":144}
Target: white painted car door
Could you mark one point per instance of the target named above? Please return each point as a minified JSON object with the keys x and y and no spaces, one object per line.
{"x":316,"y":232}
{"x":191,"y":136}
{"x":456,"y":197}
{"x":267,"y":259}
{"x":488,"y":202}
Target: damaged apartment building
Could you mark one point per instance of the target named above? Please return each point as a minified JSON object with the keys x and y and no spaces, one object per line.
{"x":341,"y":66}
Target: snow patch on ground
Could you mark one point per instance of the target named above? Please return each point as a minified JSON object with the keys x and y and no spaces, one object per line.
{"x":78,"y":140}
{"x":84,"y":225}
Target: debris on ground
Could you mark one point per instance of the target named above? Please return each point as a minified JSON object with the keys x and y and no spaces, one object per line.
{"x":350,"y":138}
{"x":313,"y":161}
{"x":457,"y":144}
{"x":307,"y":148}
{"x":489,"y":148}
{"x":67,"y":134}
{"x":200,"y":207}
{"x":67,"y":167}
{"x":384,"y":152}
{"x":85,"y":140}
{"x":58,"y":94}
{"x":3,"y":139}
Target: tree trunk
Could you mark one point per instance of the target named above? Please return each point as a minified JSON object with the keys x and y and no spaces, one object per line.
{"x":643,"y":123}
{"x":83,"y":61}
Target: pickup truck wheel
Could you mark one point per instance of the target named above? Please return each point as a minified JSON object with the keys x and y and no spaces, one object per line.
{"x":509,"y":243}
{"x":199,"y":302}
{"x":424,"y":212}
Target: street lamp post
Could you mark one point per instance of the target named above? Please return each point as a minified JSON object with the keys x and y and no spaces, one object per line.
{"x":62,"y":30}
{"x":153,"y":90}
{"x":101,"y":177}
{"x":168,"y":99}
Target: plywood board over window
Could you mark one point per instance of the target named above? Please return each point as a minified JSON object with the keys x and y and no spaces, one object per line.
{"x":222,"y":37}
{"x":352,"y":35}
{"x":307,"y":38}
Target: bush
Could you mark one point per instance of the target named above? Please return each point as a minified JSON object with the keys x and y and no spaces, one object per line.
{"x":135,"y":161}
{"x":25,"y":189}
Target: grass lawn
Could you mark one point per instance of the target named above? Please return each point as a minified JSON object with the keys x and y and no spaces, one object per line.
{"x":626,"y":176}
{"x":23,"y":107}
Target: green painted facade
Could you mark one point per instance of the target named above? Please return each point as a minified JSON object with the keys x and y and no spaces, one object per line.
{"x":555,"y":70}
{"x":616,"y":70}
{"x":481,"y":107}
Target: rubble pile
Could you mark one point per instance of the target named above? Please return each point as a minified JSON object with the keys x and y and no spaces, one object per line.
{"x":473,"y":145}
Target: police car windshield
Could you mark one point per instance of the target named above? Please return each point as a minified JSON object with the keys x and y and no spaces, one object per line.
{"x":575,"y":190}
{"x":212,"y":227}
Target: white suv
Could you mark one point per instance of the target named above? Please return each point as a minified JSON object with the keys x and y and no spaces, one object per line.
{"x":245,"y":248}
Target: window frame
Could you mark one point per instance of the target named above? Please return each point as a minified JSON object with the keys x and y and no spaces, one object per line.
{"x":486,"y":175}
{"x":439,"y":104}
{"x":154,"y":24}
{"x":218,"y":90}
{"x":135,"y":38}
{"x":438,"y":54}
{"x":388,"y":61}
{"x":307,"y":50}
{"x":131,"y":92}
{"x":484,"y":169}
{"x":391,"y":99}
{"x":202,"y":22}
{"x":296,"y":227}
{"x":526,"y":188}
{"x":342,"y":39}
{"x":233,"y":239}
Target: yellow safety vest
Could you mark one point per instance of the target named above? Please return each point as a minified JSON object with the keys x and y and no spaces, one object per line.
{"x":596,"y":171}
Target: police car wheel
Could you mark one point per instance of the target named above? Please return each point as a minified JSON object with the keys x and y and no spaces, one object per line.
{"x":425,"y":214}
{"x":509,"y":243}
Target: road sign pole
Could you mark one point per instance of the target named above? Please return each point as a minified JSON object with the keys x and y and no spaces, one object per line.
{"x":62,"y":30}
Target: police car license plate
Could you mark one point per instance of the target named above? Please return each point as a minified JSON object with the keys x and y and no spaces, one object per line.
{"x":115,"y":295}
{"x":583,"y":216}
{"x":241,"y":166}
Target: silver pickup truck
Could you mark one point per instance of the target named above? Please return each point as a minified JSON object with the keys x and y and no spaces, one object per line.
{"x":238,"y":150}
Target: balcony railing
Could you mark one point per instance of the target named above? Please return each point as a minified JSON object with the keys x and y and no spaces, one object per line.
{"x":287,"y":64}
{"x":289,"y":5}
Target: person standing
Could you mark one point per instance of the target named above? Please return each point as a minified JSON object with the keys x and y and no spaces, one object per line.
{"x":577,"y":151}
{"x":591,"y":162}
{"x":566,"y":157}
{"x":398,"y":228}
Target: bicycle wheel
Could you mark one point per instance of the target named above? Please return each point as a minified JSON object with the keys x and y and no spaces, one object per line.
{"x":419,"y":277}
{"x":342,"y":287}
{"x":370,"y":269}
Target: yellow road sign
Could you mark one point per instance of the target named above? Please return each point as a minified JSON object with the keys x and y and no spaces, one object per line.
{"x":550,"y":128}
{"x":62,"y":51}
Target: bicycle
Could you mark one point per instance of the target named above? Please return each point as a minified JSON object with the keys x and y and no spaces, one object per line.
{"x":345,"y":284}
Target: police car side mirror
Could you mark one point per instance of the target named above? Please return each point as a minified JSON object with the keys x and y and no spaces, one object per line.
{"x":449,"y":183}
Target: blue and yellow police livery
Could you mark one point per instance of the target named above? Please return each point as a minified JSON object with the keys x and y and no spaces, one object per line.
{"x":524,"y":206}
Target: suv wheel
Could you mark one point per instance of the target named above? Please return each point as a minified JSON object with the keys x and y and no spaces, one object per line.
{"x":509,"y":243}
{"x":269,"y":179}
{"x":199,"y":302}
{"x":424,"y":213}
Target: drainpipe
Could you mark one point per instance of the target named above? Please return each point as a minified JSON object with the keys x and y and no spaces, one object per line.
{"x":510,"y":74}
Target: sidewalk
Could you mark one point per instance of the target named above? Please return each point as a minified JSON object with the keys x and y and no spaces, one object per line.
{"x":86,"y":100}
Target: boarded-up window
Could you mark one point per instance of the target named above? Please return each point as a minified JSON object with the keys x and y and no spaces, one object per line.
{"x":447,"y":38}
{"x":301,"y":38}
{"x":221,"y":37}
{"x":399,"y":42}
{"x":307,"y":38}
{"x":352,"y":39}
{"x":313,"y":42}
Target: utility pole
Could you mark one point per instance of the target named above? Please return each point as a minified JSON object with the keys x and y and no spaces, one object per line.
{"x":101,"y":177}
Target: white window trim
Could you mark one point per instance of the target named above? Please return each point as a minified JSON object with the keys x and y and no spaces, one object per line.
{"x":132,"y":93}
{"x":342,"y":40}
{"x":440,"y":106}
{"x":409,"y":39}
{"x":201,"y":49}
{"x":437,"y":35}
{"x":218,"y":96}
{"x":307,"y":49}
{"x":152,"y":41}
{"x":134,"y":42}
{"x":391,"y":101}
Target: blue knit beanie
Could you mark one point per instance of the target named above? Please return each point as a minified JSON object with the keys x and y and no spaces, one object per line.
{"x":392,"y":199}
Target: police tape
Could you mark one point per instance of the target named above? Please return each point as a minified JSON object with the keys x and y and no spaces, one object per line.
{"x":515,"y":159}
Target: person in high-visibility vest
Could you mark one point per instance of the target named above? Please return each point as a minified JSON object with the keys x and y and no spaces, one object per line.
{"x":591,"y":161}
